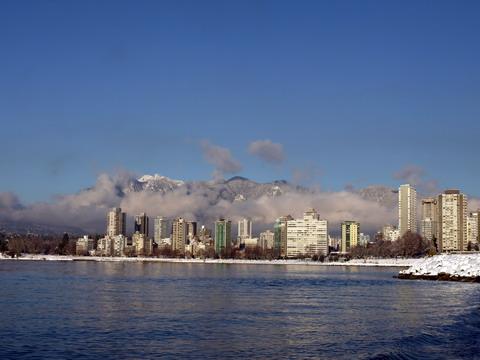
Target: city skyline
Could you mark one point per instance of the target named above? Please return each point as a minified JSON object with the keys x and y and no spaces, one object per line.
{"x":239,"y":179}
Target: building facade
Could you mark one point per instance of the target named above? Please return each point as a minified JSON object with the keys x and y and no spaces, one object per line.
{"x":363,"y":239}
{"x":116,"y":222}
{"x":266,"y":240}
{"x":179,"y":235}
{"x":141,"y":224}
{"x":472,"y":229}
{"x":191,"y":230}
{"x":223,"y":234}
{"x":84,"y":245}
{"x":280,"y":236}
{"x":390,"y":233}
{"x":428,"y":224}
{"x":407,"y":209}
{"x":307,"y":236}
{"x":350,"y":234}
{"x":142,"y":245}
{"x":452,"y":221}
{"x":119,"y":243}
{"x":161,"y":229}
{"x":244,"y":231}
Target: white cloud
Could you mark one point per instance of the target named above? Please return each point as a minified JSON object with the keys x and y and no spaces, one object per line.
{"x":220,"y":157}
{"x":267,"y":150}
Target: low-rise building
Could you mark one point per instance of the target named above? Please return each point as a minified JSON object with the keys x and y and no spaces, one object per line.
{"x":84,"y":245}
{"x":105,"y":246}
{"x":266,"y":240}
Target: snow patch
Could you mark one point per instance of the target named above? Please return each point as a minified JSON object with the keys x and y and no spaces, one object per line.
{"x":461,"y":265}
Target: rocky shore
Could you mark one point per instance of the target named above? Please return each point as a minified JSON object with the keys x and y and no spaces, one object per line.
{"x":445,"y":267}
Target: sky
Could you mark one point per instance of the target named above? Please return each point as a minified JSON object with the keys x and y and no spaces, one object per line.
{"x":333,"y":94}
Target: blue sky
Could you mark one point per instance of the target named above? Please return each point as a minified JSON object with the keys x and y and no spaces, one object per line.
{"x":353,"y":90}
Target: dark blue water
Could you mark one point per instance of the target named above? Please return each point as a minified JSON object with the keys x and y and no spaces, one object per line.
{"x":152,"y":310}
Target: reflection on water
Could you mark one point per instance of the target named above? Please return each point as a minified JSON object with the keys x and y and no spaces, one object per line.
{"x":134,"y":310}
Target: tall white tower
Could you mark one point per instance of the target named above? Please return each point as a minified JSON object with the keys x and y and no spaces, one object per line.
{"x":407,"y":209}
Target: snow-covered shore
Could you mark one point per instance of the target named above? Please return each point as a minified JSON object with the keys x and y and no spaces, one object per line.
{"x":454,"y":267}
{"x":355,"y":262}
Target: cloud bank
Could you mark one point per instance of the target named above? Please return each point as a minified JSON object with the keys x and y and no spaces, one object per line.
{"x":267,"y":150}
{"x":87,"y":209}
{"x":415,"y":175}
{"x":220,"y":157}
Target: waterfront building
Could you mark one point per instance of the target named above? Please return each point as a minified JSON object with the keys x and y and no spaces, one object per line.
{"x":142,"y":245}
{"x":191,"y":230}
{"x":84,"y":245}
{"x":350,"y":232}
{"x":428,"y":224}
{"x":105,"y":246}
{"x":280,"y":236}
{"x":307,"y":236}
{"x":116,"y":222}
{"x":472,"y":228}
{"x":334,"y":243}
{"x":179,"y":235}
{"x":205,"y":235}
{"x":407,"y":209}
{"x":223,"y":234}
{"x":390,"y":233}
{"x":161,"y":229}
{"x":250,"y":243}
{"x":119,"y":243}
{"x":363,"y":239}
{"x":244,"y":230}
{"x":141,"y":224}
{"x":266,"y":240}
{"x":452,"y":221}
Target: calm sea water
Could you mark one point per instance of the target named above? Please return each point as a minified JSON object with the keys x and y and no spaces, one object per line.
{"x":153,"y":310}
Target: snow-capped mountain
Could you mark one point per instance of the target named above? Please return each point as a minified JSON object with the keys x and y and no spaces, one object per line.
{"x":237,"y":188}
{"x":155,"y":183}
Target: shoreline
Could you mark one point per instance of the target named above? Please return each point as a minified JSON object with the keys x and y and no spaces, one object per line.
{"x":356,"y":262}
{"x":445,"y":267}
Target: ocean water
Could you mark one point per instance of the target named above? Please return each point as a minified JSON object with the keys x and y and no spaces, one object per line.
{"x":88,"y":310}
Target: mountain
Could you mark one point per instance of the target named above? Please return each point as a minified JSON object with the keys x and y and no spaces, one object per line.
{"x":22,"y":227}
{"x":236,"y":188}
{"x":155,"y":183}
{"x":382,"y":195}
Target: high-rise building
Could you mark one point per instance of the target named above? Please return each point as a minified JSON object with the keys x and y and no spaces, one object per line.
{"x":407,"y":209}
{"x":429,"y":219}
{"x":161,"y":229}
{"x":266,"y":240}
{"x":191,"y":230}
{"x":280,"y":236}
{"x":307,"y":236}
{"x":223,"y":234}
{"x":350,"y":233}
{"x":472,"y":228}
{"x":244,"y":230}
{"x":141,"y":224}
{"x":452,"y":221}
{"x":179,"y":235}
{"x":116,"y":222}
